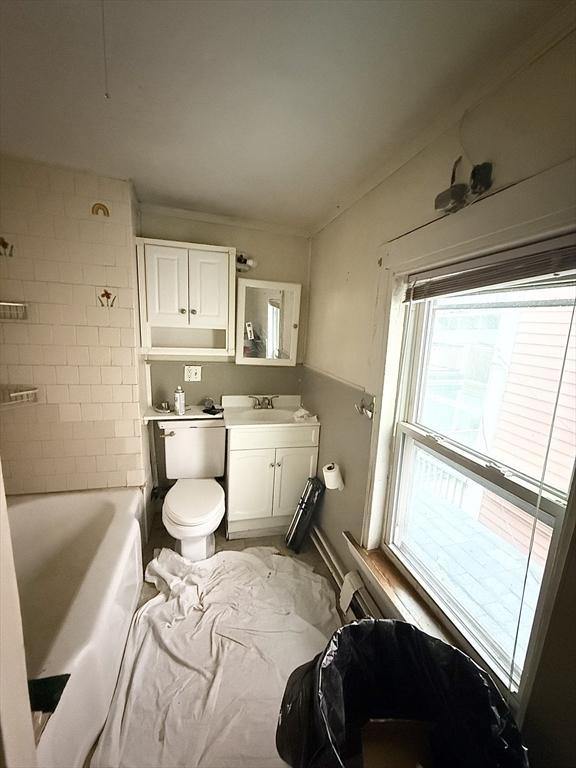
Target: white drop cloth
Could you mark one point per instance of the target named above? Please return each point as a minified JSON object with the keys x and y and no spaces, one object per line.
{"x":207,"y":661}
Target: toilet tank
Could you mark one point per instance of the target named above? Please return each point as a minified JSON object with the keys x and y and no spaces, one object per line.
{"x":194,"y":449}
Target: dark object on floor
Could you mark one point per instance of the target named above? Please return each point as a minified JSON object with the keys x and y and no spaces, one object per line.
{"x":384,"y":669}
{"x":302,"y":519}
{"x":45,"y":692}
{"x":396,"y":744}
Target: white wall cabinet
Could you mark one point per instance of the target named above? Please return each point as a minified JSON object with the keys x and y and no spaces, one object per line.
{"x":166,"y":285}
{"x":208,"y":288}
{"x":266,"y":474}
{"x":187,"y":298}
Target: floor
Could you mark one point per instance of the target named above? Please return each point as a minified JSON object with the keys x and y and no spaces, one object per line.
{"x":223,"y":638}
{"x":159,"y":538}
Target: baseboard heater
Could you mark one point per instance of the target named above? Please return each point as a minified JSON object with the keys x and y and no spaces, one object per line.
{"x":355,"y":600}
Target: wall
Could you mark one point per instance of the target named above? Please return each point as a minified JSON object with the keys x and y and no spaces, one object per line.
{"x":84,"y":432}
{"x":505,"y":127}
{"x":223,"y":379}
{"x":345,"y":439}
{"x":525,"y":126}
{"x":549,"y":722}
{"x":280,"y":256}
{"x":218,"y":379}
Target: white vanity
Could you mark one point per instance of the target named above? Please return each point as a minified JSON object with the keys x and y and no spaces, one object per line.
{"x":269,"y":458}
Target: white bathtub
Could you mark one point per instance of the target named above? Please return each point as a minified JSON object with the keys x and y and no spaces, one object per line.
{"x":79,"y":569}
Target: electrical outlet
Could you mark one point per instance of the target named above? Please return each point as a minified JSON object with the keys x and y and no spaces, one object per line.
{"x":192,"y":373}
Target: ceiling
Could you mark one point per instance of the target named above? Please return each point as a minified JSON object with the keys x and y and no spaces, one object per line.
{"x":271,"y":110}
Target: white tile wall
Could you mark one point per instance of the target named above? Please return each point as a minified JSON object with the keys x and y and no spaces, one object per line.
{"x":85,"y":430}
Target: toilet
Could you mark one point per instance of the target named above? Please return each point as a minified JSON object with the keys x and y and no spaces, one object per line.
{"x":194,"y":507}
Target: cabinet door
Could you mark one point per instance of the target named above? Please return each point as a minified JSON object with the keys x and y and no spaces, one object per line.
{"x":208,"y":278}
{"x":250,"y":483}
{"x":167,"y":285}
{"x":293,"y":467}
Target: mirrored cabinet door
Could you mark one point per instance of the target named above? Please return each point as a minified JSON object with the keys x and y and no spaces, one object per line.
{"x":268,"y":320}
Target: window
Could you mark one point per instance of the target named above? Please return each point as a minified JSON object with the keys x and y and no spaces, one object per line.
{"x":485,"y":441}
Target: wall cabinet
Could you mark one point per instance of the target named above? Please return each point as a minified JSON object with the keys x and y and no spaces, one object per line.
{"x":187,"y":298}
{"x":265,"y":479}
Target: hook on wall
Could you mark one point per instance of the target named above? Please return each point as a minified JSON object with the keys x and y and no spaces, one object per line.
{"x":6,"y":248}
{"x":365,"y":410}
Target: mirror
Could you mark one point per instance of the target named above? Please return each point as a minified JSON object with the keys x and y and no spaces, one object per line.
{"x":267,"y":322}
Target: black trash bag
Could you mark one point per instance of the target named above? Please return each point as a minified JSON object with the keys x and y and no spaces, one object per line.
{"x":384,"y":669}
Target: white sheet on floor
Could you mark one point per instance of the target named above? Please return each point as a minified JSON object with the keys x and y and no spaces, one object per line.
{"x":207,"y":661}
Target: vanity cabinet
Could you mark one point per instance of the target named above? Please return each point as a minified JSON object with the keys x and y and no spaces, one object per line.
{"x":187,"y":298}
{"x":266,"y":473}
{"x":251,"y":484}
{"x":293,"y":467}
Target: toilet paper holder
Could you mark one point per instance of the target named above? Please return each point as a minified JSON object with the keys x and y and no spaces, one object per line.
{"x":333,"y":479}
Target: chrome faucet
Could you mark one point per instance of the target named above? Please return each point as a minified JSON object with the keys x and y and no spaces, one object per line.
{"x":257,"y":401}
{"x":268,"y":401}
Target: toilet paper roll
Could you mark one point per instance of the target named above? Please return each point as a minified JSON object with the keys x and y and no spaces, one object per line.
{"x":333,"y":477}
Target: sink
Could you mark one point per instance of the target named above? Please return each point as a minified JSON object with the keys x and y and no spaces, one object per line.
{"x":267,"y":416}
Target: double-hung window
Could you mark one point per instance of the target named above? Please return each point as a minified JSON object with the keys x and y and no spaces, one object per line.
{"x":484,"y":442}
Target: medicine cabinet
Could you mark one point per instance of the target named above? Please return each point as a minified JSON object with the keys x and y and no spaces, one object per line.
{"x":267,"y":322}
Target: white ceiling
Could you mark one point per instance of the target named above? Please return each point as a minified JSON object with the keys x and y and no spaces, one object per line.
{"x":264,"y":109}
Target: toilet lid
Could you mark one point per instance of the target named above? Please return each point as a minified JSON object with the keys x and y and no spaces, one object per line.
{"x":193,"y":502}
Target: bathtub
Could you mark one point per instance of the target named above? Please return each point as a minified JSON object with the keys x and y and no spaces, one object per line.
{"x":79,"y":570}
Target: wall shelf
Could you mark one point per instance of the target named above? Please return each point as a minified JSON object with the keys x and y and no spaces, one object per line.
{"x":13,"y":310}
{"x":11,"y":394}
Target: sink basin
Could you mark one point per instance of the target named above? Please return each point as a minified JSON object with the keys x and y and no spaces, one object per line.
{"x":267,"y":416}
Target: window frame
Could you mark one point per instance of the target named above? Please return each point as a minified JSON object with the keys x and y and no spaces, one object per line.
{"x":517,"y":489}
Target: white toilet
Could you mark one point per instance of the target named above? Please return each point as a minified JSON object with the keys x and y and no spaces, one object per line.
{"x":195,"y":505}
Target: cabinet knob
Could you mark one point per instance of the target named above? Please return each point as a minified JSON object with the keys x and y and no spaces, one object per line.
{"x":182,"y":311}
{"x":272,"y":464}
{"x":278,"y":464}
{"x":193,"y":311}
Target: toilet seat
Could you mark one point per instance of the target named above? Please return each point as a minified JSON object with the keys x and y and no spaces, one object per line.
{"x":193,"y":503}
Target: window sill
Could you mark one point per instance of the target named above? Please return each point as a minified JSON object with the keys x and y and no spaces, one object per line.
{"x":403,"y":599}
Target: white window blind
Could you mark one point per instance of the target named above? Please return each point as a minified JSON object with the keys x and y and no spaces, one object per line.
{"x":551,"y":258}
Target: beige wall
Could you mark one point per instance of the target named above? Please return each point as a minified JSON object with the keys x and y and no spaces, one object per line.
{"x":526,"y":126}
{"x":280,"y":257}
{"x":345,"y":439}
{"x":84,"y":432}
{"x":549,"y":723}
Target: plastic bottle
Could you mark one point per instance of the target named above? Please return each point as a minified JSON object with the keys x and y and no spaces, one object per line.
{"x":179,"y":401}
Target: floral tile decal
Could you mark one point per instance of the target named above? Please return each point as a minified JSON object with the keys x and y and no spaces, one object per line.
{"x":106,"y":297}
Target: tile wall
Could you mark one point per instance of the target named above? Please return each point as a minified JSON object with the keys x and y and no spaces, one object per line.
{"x":85,"y":431}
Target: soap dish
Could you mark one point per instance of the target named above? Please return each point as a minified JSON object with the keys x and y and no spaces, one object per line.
{"x":161,"y":410}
